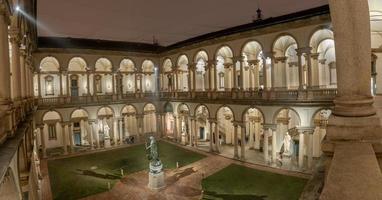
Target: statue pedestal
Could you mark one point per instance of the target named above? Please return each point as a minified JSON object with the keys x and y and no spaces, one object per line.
{"x":156,"y":181}
{"x":184,"y":139}
{"x":107,"y":142}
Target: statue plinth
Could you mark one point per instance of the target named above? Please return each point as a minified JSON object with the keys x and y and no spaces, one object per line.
{"x":156,"y":181}
{"x":107,"y":142}
{"x":156,"y":175}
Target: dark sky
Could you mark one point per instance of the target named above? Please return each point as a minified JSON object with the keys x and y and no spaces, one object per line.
{"x":170,"y":21}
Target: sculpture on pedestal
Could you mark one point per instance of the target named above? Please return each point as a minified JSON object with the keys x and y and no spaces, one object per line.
{"x":156,"y":175}
{"x":153,"y":156}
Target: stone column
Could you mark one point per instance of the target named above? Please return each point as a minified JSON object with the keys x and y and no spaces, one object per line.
{"x":96,"y":131}
{"x":301,"y":147}
{"x":242,"y":144}
{"x":4,"y":58}
{"x":353,"y":127}
{"x":217,"y":141}
{"x":214,"y":71}
{"x":211,"y":136}
{"x":126,"y":122}
{"x":195,"y":133}
{"x":159,"y":125}
{"x":82,"y":129}
{"x":120,"y":130}
{"x":235,"y":141}
{"x":115,"y":130}
{"x":300,"y":71}
{"x":91,"y":125}
{"x":265,"y":76}
{"x":257,"y":134}
{"x":71,"y":137}
{"x":176,"y":128}
{"x":43,"y":141}
{"x":88,"y":82}
{"x":39,"y":84}
{"x":64,"y":137}
{"x":310,"y":149}
{"x":23,"y":79}
{"x":265,"y":146}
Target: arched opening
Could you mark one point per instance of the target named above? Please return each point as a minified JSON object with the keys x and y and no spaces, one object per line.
{"x":80,"y":129}
{"x":252,"y":66}
{"x":184,"y":124}
{"x":148,"y":76}
{"x":323,"y":54}
{"x":253,"y":120}
{"x":51,"y":134}
{"x":223,"y":132}
{"x":103,"y":77}
{"x":129,"y":124}
{"x":167,"y":76}
{"x":202,"y":127}
{"x":106,"y":129}
{"x":286,"y":63}
{"x":126,"y":81}
{"x":286,"y":138}
{"x":48,"y":78}
{"x":224,"y":69}
{"x":79,"y":82}
{"x":201,"y":77}
{"x":182,"y":74}
{"x":169,"y":121}
{"x":149,"y":120}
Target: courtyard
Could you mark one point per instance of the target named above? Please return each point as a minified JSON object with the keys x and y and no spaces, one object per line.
{"x":122,"y":174}
{"x":81,"y":176}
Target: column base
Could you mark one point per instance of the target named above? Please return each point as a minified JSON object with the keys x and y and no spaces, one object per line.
{"x":354,"y":128}
{"x":354,"y":106}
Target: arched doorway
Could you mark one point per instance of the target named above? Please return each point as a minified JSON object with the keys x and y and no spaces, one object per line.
{"x":81,"y":129}
{"x":129,"y":128}
{"x":106,"y":131}
{"x":223,"y":132}
{"x":202,"y":127}
{"x":51,"y":134}
{"x":253,"y":120}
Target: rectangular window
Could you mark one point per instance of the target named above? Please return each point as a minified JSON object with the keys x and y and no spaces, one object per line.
{"x":49,"y":87}
{"x":52,"y":132}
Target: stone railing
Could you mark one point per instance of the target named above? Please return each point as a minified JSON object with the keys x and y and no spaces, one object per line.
{"x":260,"y":95}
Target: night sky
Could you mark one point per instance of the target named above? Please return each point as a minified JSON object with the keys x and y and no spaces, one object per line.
{"x":170,"y":21}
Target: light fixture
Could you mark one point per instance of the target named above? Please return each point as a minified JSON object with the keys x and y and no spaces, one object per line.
{"x":17,"y":8}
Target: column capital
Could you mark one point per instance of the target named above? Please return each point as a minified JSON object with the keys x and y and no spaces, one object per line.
{"x":238,"y":123}
{"x":270,"y":126}
{"x":237,"y":58}
{"x":301,"y":50}
{"x":305,"y":129}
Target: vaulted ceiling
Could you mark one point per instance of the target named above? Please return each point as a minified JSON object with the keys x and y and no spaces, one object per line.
{"x":169,"y":21}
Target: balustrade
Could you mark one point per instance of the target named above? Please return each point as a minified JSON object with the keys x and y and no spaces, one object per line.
{"x":273,"y":95}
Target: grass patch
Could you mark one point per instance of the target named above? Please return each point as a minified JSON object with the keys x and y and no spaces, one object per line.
{"x":237,"y":182}
{"x":81,"y":176}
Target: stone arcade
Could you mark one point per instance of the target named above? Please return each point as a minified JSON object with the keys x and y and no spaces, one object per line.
{"x":291,"y":91}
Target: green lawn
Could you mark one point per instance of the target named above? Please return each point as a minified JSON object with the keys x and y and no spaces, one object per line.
{"x":242,"y":183}
{"x":69,"y":182}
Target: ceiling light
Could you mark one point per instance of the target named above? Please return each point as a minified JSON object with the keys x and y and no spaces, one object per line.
{"x":17,"y":8}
